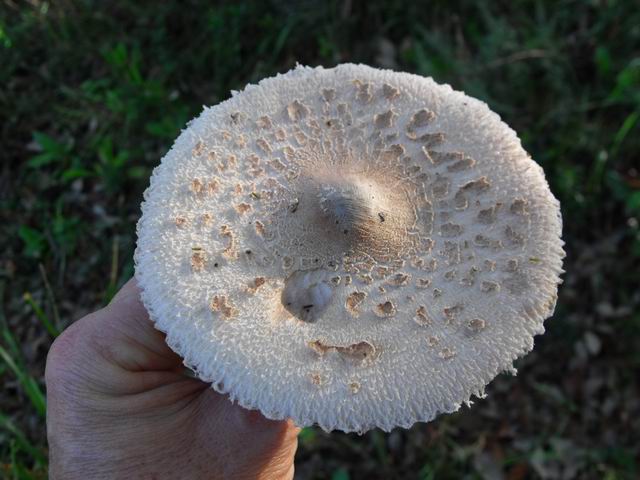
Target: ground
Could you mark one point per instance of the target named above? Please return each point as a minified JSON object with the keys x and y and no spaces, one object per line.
{"x":92,"y":94}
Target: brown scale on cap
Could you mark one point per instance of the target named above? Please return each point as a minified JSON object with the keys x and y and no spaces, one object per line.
{"x":241,"y":141}
{"x":278,"y":165}
{"x":399,"y":279}
{"x":207,"y":219}
{"x":357,"y":352}
{"x":419,"y":120}
{"x":353,"y":302}
{"x":363,"y":91}
{"x":477,"y":186}
{"x":385,"y":309}
{"x":280,"y":135}
{"x":450,"y":275}
{"x":220,"y":304}
{"x":519,"y":206}
{"x":289,"y":153}
{"x":489,"y":266}
{"x":255,"y":284}
{"x":425,"y":265}
{"x":242,"y":208}
{"x":451,"y":230}
{"x":486,"y":242}
{"x":198,"y":259}
{"x":428,"y":141}
{"x":488,"y":215}
{"x":390,"y":92}
{"x":329,"y":94}
{"x":254,"y":160}
{"x":301,"y":138}
{"x":474,"y":187}
{"x":422,"y":317}
{"x":511,"y":265}
{"x":259,"y":226}
{"x":296,"y":111}
{"x":212,"y":187}
{"x":440,"y":187}
{"x":264,"y":145}
{"x":439,"y":158}
{"x":447,"y":353}
{"x":517,"y":283}
{"x":451,"y":252}
{"x":466,"y":163}
{"x":222,"y":164}
{"x":489,"y":286}
{"x":198,"y":149}
{"x":514,"y":237}
{"x":264,"y":122}
{"x":392,"y":153}
{"x":316,"y":378}
{"x":196,"y":186}
{"x":451,"y":313}
{"x":386,"y":119}
{"x":469,"y":279}
{"x":236,"y":117}
{"x":381,"y":271}
{"x":287,"y":262}
{"x":230,"y":249}
{"x":476,"y":325}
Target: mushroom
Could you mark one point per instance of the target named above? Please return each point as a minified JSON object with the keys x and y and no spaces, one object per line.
{"x":349,"y":247}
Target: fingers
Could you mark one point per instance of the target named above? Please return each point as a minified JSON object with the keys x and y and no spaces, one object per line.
{"x":222,"y":415}
{"x":128,"y":297}
{"x":268,"y":446}
{"x":126,"y":333}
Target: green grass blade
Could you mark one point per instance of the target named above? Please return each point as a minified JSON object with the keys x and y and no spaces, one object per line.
{"x":50,"y":297}
{"x":22,"y":441}
{"x":41,"y":315}
{"x":629,"y":122}
{"x":30,"y":385}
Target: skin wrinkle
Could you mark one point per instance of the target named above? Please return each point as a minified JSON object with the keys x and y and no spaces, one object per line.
{"x":152,"y":339}
{"x":111,"y":418}
{"x":130,"y":355}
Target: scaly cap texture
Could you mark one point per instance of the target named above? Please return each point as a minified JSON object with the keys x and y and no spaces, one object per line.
{"x":349,"y":247}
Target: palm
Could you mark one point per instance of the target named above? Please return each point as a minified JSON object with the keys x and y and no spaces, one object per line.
{"x":120,"y":406}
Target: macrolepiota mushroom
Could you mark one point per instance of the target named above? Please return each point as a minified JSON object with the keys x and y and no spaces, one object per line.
{"x":349,"y":247}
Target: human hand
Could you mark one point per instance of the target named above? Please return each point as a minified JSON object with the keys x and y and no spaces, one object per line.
{"x":120,"y":406}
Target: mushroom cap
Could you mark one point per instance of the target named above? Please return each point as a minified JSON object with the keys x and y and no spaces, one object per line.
{"x":349,"y":247}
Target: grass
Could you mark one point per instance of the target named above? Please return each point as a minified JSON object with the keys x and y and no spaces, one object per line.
{"x":20,"y":446}
{"x":93,"y":94}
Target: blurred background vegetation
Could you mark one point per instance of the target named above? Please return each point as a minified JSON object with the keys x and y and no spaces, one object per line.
{"x":92,"y":94}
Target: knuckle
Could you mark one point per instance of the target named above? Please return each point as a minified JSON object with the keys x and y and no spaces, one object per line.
{"x":67,"y":351}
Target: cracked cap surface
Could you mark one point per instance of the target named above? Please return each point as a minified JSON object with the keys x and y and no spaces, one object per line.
{"x":349,"y":247}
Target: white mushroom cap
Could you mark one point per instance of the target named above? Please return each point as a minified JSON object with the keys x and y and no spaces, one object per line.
{"x":349,"y":247}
